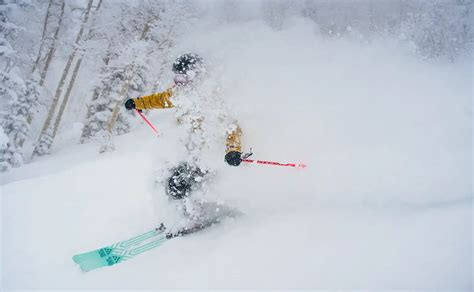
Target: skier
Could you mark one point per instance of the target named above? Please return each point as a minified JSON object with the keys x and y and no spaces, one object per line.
{"x":192,"y":109}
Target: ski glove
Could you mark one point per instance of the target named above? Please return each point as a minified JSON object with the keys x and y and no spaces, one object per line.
{"x":233,"y":158}
{"x":129,"y":104}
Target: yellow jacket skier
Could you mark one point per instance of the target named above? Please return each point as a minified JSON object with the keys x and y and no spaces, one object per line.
{"x":187,"y":67}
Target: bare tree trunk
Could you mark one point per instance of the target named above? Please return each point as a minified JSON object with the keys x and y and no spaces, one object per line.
{"x":57,"y":95}
{"x":66,"y":97}
{"x":70,"y":86}
{"x":146,"y":29}
{"x":115,"y":112}
{"x":107,"y":143}
{"x":95,"y":96}
{"x":52,"y":49}
{"x":45,"y":27}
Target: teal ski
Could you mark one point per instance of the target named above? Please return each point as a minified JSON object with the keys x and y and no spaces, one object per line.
{"x":119,"y":251}
{"x":127,"y":249}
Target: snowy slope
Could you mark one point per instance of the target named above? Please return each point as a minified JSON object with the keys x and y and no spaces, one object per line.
{"x":385,"y":203}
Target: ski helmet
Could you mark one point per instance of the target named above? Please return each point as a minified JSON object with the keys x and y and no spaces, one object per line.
{"x":186,"y":63}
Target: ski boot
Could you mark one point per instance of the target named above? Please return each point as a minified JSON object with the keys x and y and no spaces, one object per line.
{"x":184,"y":178}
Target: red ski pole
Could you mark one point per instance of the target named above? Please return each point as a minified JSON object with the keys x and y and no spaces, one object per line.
{"x":295,"y":165}
{"x":147,"y":121}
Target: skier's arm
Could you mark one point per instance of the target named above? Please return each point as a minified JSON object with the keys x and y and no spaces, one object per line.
{"x":158,"y":100}
{"x":233,"y":152}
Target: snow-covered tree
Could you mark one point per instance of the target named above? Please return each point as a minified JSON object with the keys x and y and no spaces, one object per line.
{"x":21,"y":102}
{"x":440,"y":28}
{"x":8,"y":31}
{"x":9,"y":156}
{"x":11,"y":89}
{"x":130,"y":63}
{"x":19,"y":99}
{"x":121,"y":75}
{"x":118,"y":83}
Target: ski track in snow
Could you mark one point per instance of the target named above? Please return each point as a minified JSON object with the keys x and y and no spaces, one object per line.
{"x":386,"y":201}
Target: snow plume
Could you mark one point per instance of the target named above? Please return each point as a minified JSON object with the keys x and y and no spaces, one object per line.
{"x":370,"y":111}
{"x":204,"y":116}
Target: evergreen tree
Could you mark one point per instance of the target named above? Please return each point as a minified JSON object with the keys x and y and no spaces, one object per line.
{"x":9,"y":157}
{"x":19,"y":98}
{"x":439,"y":28}
{"x":129,"y":62}
{"x":111,"y":91}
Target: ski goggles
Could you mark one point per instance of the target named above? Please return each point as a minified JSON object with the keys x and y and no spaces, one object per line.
{"x":181,"y":79}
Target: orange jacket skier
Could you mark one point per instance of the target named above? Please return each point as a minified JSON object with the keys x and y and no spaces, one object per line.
{"x":188,"y":69}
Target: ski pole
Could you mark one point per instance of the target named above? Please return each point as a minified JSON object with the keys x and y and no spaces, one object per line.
{"x":295,"y":165}
{"x":147,"y":121}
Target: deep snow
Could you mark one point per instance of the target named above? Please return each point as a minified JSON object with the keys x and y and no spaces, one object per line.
{"x":385,"y":203}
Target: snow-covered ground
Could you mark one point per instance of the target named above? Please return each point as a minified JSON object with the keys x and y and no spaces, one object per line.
{"x":386,"y":201}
